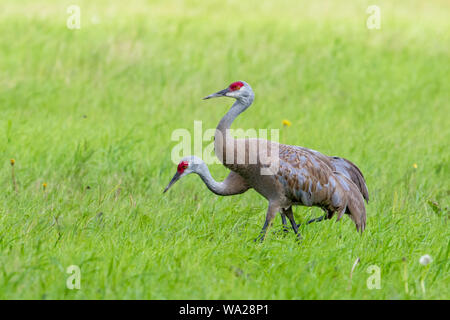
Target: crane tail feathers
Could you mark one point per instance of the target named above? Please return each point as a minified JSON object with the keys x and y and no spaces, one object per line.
{"x":356,"y":208}
{"x":357,"y":212}
{"x":351,"y":171}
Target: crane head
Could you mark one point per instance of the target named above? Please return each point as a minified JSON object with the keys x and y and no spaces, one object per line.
{"x":239,"y":90}
{"x":186,"y":166}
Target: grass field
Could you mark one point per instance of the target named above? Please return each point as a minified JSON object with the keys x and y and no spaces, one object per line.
{"x":90,"y":113}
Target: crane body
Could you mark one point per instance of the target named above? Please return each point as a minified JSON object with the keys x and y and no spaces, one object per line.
{"x":283,"y":174}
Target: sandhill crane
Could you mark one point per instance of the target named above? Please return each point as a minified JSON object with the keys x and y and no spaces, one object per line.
{"x":301,"y":176}
{"x":233,"y":183}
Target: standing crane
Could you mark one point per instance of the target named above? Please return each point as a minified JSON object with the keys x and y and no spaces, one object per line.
{"x":301,"y":176}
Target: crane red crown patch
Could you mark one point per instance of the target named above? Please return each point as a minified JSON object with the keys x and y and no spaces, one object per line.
{"x":236,"y":85}
{"x":182,"y":166}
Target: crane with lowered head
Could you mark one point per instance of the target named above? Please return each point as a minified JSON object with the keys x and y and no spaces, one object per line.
{"x":293,"y":175}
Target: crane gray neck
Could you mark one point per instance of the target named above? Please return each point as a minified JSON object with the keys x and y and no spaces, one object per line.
{"x":240,"y":105}
{"x":216,"y":187}
{"x":222,"y":135}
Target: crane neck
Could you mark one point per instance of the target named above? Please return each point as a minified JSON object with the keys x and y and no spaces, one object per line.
{"x":216,"y":187}
{"x":236,"y":109}
{"x":222,"y":136}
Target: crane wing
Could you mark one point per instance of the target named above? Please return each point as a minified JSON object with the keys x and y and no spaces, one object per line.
{"x":352,"y":172}
{"x":303,"y":175}
{"x":355,"y":202}
{"x":341,"y":165}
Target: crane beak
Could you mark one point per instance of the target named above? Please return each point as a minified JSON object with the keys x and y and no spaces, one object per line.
{"x":174,"y":179}
{"x":221,"y":93}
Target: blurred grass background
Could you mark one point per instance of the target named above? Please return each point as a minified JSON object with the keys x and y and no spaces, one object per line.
{"x":90,"y":113}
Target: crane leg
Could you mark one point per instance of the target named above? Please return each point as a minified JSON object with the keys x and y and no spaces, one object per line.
{"x":271,"y":212}
{"x":316,"y":219}
{"x":283,"y":220}
{"x":294,"y":225}
{"x":327,"y":215}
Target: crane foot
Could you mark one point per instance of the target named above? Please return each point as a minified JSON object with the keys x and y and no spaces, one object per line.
{"x":260,"y":238}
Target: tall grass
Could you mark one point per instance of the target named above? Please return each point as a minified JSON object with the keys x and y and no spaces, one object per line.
{"x":90,"y":113}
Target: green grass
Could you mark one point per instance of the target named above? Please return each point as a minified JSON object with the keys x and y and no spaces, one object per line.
{"x":96,"y":107}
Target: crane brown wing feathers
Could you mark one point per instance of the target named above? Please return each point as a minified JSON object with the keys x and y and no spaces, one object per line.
{"x":310,"y":181}
{"x":355,"y":203}
{"x":341,"y":165}
{"x":303,"y":175}
{"x":351,"y":171}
